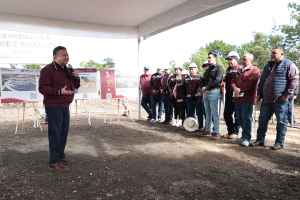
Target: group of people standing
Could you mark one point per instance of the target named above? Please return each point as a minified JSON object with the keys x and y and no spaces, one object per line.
{"x":187,"y":94}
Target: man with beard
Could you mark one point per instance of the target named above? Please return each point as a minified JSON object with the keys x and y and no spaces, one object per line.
{"x":277,"y":83}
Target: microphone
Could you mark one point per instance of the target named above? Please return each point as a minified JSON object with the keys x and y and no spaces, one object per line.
{"x":72,"y":70}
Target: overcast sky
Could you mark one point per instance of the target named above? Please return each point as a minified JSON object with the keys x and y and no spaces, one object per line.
{"x":233,"y":25}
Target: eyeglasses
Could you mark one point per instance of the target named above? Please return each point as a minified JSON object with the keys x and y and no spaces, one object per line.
{"x":274,"y":52}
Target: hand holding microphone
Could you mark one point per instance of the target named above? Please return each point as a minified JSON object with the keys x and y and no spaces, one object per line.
{"x":74,"y":73}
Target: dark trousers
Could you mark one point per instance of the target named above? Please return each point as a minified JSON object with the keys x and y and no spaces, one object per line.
{"x":182,"y":111}
{"x":58,"y":128}
{"x":232,"y":127}
{"x":200,"y":111}
{"x":176,"y":108}
{"x":146,"y":104}
{"x":168,"y":107}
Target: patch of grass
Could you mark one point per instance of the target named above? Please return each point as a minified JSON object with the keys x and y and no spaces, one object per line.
{"x":4,"y":82}
{"x":6,"y":89}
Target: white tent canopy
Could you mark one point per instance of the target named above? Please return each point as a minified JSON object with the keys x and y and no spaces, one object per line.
{"x":122,"y":19}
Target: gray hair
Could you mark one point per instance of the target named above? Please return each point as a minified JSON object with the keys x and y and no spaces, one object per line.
{"x":249,"y":55}
{"x":281,"y":49}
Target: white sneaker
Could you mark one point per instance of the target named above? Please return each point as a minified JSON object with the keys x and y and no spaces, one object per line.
{"x":159,"y":120}
{"x":152,"y":121}
{"x":239,"y":139}
{"x":245,"y":143}
{"x":179,"y":122}
{"x":175,"y":122}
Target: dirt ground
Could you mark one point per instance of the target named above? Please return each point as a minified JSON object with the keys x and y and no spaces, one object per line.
{"x":139,"y":160}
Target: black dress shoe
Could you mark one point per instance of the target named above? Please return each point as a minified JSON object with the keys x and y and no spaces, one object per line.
{"x":277,"y":147}
{"x":256,"y":144}
{"x":167,"y":122}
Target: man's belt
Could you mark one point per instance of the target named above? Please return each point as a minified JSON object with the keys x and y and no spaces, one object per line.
{"x":214,"y":88}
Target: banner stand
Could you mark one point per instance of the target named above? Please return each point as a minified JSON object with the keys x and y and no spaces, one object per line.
{"x":119,"y":110}
{"x":87,"y":115}
{"x":105,"y":112}
{"x":36,"y":117}
{"x":76,"y":110}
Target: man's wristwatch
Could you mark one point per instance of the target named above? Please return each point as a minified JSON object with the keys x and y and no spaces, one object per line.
{"x":58,"y":92}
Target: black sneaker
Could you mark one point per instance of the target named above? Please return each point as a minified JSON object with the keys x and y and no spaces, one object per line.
{"x":167,"y":122}
{"x":277,"y":147}
{"x":256,"y":144}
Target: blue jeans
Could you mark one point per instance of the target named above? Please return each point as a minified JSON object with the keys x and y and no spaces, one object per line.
{"x":168,"y":107}
{"x":266,"y":111}
{"x":289,"y":118}
{"x":244,"y":115}
{"x":191,"y":106}
{"x":58,"y":128}
{"x":232,"y":127}
{"x":146,"y":104}
{"x":156,"y":99}
{"x":211,"y":109}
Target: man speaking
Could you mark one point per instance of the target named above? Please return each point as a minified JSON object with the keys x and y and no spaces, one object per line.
{"x":57,"y":83}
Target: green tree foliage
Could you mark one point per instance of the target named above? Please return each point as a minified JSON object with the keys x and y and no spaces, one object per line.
{"x":92,"y":64}
{"x":107,"y":64}
{"x":33,"y":66}
{"x":199,"y":57}
{"x":291,"y":33}
{"x":172,"y":63}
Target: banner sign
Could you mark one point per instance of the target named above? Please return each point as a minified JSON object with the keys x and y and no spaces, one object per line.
{"x":88,"y":84}
{"x":19,"y":47}
{"x":108,"y":85}
{"x":126,"y":84}
{"x":20,"y":85}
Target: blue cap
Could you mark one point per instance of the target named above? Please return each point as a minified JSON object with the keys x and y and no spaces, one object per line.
{"x":146,"y":68}
{"x":232,"y":57}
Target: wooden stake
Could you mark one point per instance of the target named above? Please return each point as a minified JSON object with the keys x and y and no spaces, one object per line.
{"x":119,"y":108}
{"x":86,"y":112}
{"x":113,"y":111}
{"x":23,"y":116}
{"x":18,"y":118}
{"x":76,"y":110}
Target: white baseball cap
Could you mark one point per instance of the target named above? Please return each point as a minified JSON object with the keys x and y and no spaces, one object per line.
{"x":185,"y":72}
{"x":193,"y":65}
{"x":233,"y":55}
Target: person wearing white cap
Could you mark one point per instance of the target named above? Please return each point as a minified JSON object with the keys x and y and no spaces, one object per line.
{"x":166,"y":96}
{"x":189,"y":94}
{"x":156,"y":97}
{"x":180,"y":102}
{"x":174,"y":79}
{"x":146,"y":91}
{"x":232,"y":126}
{"x":211,"y":90}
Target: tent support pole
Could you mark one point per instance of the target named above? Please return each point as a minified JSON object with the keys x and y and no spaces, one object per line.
{"x":139,"y":41}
